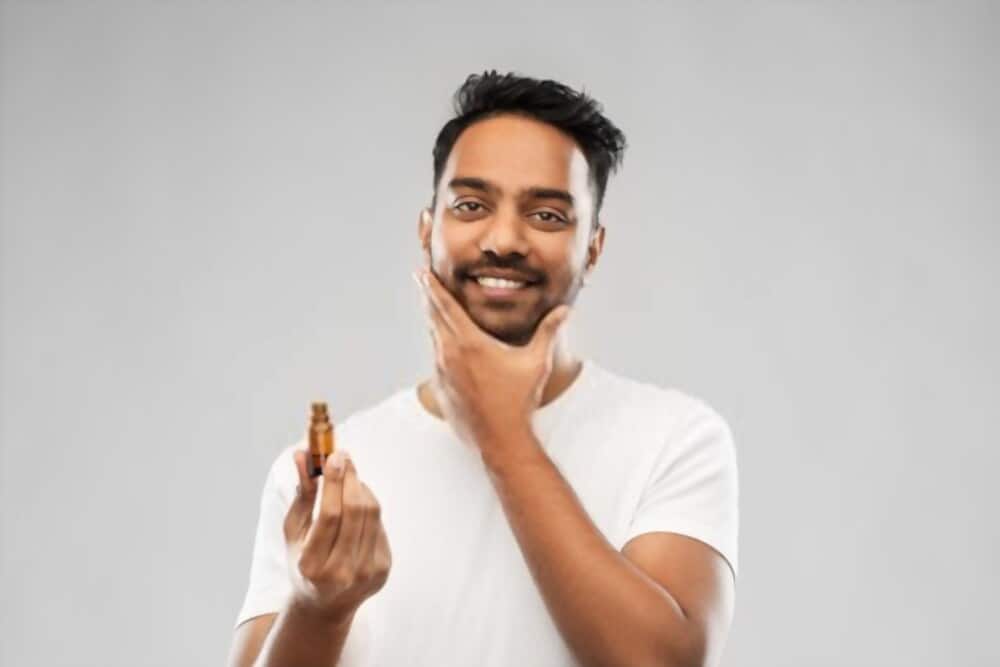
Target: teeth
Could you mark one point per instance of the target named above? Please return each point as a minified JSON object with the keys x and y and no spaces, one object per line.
{"x":499,"y":282}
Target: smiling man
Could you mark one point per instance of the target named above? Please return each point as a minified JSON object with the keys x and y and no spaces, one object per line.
{"x":522,"y":506}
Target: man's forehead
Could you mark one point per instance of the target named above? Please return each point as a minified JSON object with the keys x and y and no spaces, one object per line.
{"x":516,"y":155}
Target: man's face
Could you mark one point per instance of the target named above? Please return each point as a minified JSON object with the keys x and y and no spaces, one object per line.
{"x":513,"y":201}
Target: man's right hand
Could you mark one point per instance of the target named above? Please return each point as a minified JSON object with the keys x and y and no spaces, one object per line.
{"x":336,"y":561}
{"x":341,"y":557}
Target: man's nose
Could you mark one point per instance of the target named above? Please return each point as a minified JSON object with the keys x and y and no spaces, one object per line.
{"x":504,"y":234}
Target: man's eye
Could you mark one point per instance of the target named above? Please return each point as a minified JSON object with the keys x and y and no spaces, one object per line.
{"x":469,"y":203}
{"x":552,"y":217}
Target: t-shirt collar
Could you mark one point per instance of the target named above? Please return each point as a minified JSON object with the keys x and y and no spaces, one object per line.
{"x":544,"y":418}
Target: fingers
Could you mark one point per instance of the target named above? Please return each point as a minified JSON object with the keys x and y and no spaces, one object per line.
{"x":440,"y":331}
{"x":383,"y":554}
{"x":345,"y":549}
{"x":438,"y":345}
{"x":446,"y":303}
{"x":439,"y":319}
{"x":327,"y":525}
{"x":374,"y":559}
{"x":442,"y":302}
{"x":549,"y":328}
{"x":299,"y":515}
{"x":307,"y":483}
{"x":380,"y":562}
{"x":373,"y":525}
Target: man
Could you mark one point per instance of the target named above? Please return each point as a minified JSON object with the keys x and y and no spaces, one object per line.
{"x":541,"y":509}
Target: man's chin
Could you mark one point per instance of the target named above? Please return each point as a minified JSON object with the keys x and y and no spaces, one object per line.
{"x":511,"y":333}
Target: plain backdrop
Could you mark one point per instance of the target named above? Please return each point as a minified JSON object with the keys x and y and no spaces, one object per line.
{"x":209,"y":216}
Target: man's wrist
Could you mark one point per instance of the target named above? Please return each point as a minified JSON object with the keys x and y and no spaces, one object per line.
{"x":514,"y":447}
{"x":328,"y":619}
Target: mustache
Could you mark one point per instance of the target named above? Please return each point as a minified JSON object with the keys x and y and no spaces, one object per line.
{"x":512,"y":265}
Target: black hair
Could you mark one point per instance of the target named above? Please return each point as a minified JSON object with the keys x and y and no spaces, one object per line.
{"x":575,"y":113}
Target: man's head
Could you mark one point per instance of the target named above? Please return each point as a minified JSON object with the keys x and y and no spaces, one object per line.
{"x":519,"y":180}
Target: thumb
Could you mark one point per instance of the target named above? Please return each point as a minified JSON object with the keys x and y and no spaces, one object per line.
{"x":551,"y":325}
{"x":299,"y":516}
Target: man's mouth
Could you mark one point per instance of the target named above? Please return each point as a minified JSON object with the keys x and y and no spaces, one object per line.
{"x":500,"y":288}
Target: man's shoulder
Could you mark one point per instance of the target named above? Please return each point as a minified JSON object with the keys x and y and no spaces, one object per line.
{"x":649,"y":395}
{"x":683,"y":423}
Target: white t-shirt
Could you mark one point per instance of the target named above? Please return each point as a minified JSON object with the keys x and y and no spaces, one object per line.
{"x":639,"y":457}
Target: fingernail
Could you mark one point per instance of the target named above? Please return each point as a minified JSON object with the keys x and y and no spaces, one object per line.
{"x":337,"y":461}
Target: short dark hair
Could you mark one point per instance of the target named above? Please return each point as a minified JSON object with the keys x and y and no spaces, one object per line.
{"x":575,"y":113}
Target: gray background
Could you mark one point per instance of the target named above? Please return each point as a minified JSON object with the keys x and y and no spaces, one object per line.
{"x":209,"y":217}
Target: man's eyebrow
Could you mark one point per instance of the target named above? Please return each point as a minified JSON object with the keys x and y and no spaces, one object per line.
{"x":533,"y":193}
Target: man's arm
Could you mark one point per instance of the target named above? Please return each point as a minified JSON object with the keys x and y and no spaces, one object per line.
{"x":292,"y":637}
{"x":666,"y":600}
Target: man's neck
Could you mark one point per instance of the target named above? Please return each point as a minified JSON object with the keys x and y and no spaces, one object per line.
{"x":565,"y":369}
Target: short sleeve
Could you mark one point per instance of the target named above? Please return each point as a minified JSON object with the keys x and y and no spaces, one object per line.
{"x":693,"y":486}
{"x":270,"y":583}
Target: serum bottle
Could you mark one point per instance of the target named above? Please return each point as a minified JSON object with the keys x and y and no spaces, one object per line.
{"x":320,"y":438}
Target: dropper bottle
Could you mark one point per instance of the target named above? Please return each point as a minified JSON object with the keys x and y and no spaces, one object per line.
{"x":320,"y":438}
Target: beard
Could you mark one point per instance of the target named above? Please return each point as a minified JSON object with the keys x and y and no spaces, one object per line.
{"x":512,"y":322}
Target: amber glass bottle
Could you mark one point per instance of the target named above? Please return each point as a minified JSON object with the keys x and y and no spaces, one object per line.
{"x":320,"y":438}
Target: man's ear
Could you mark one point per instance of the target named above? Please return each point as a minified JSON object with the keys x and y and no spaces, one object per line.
{"x":594,"y":248}
{"x":424,"y":223}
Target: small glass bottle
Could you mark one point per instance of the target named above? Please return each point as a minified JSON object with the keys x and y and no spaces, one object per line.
{"x":320,"y":438}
